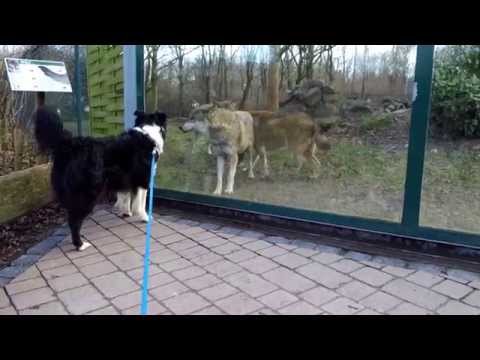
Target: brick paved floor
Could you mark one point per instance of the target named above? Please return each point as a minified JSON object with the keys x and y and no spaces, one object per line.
{"x":208,"y":268}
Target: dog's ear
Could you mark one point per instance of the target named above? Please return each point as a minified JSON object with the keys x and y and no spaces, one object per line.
{"x":139,"y":113}
{"x":139,"y":117}
{"x":161,"y":119}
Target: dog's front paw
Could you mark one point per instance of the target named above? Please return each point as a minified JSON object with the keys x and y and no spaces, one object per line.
{"x":85,"y":245}
{"x":143,"y":216}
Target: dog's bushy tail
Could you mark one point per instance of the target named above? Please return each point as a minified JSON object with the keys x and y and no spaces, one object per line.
{"x":49,"y":131}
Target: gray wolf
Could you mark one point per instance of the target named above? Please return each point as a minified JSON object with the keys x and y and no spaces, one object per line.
{"x":231,"y":136}
{"x":84,"y":168}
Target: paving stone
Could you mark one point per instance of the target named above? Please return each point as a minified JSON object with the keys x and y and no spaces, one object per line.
{"x":263,"y":311}
{"x":129,"y":300}
{"x":194,"y":252}
{"x":277,"y":240}
{"x":98,"y":269}
{"x":257,"y":245}
{"x":166,"y":291}
{"x":124,"y":231}
{"x":452,"y":289}
{"x":218,"y":291}
{"x":287,"y":246}
{"x":326,"y":258}
{"x":258,"y":265}
{"x":357,"y":256}
{"x":226,"y":248}
{"x":433,"y":269}
{"x":157,"y":280}
{"x":367,"y":312}
{"x":114,"y":284}
{"x":408,"y":309}
{"x":188,"y":273}
{"x":318,"y":296}
{"x":238,"y":304}
{"x":137,"y":274}
{"x":324,"y":275}
{"x":251,"y":284}
{"x":462,"y":276}
{"x":424,"y":278}
{"x":44,"y":246}
{"x":186,"y":303}
{"x":288,"y":280}
{"x":32,"y":298}
{"x":154,"y":247}
{"x":202,"y":282}
{"x":176,"y":264}
{"x":88,"y":260}
{"x":380,"y":301}
{"x":251,"y":234}
{"x":454,"y":307}
{"x":153,"y":308}
{"x":473,"y":299}
{"x":53,"y":263}
{"x":182,"y":245}
{"x":8,"y":311}
{"x":113,"y":248}
{"x":291,"y":260}
{"x":389,"y":261}
{"x":67,"y":282}
{"x":193,"y":230}
{"x":372,"y":264}
{"x":72,"y":253}
{"x":4,"y":300}
{"x":214,"y":241}
{"x":241,"y":255}
{"x":371,"y":276}
{"x":211,"y":310}
{"x":53,"y":254}
{"x":206,"y":259}
{"x":202,"y":236}
{"x":26,"y":285}
{"x":96,"y":235}
{"x":306,"y":252}
{"x":228,"y":231}
{"x":356,"y":290}
{"x":223,"y":268}
{"x":51,"y":308}
{"x":127,"y":260}
{"x":346,"y":266}
{"x":109,"y":310}
{"x":397,"y":271}
{"x":26,"y":260}
{"x":278,"y":299}
{"x":170,"y":239}
{"x":475,"y":284}
{"x":163,"y":256}
{"x":415,"y":294}
{"x":272,"y":251}
{"x":300,"y":308}
{"x":342,"y":306}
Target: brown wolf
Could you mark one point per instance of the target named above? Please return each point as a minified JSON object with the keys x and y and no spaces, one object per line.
{"x":296,"y":131}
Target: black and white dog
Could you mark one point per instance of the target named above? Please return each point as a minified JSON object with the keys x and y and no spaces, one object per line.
{"x":86,"y":167}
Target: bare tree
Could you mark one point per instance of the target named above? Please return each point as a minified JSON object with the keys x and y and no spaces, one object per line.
{"x":364,"y":70}
{"x":250,"y":53}
{"x":273,"y":78}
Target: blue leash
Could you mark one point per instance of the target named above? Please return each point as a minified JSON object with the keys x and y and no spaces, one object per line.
{"x":146,"y":258}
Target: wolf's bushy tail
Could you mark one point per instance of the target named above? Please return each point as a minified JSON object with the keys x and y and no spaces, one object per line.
{"x":49,"y":131}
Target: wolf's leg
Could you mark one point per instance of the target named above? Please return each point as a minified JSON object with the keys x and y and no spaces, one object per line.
{"x":220,"y":167}
{"x":232,"y":169}
{"x":266,"y":171}
{"x":251,"y":175}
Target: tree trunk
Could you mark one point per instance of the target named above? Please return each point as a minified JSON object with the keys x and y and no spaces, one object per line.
{"x":273,"y":78}
{"x":249,"y":77}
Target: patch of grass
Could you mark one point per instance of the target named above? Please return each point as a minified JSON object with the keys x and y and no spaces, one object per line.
{"x":375,"y":122}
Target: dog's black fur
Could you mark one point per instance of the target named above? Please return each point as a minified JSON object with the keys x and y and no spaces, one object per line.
{"x":85,"y":167}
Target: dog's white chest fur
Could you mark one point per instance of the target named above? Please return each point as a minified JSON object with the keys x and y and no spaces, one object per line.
{"x":153,"y":132}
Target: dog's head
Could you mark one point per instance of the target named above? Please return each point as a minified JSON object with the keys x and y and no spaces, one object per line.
{"x":155,"y":125}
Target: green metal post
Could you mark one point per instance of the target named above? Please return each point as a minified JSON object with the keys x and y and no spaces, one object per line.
{"x":139,"y":70}
{"x":77,"y":97}
{"x":418,"y":136}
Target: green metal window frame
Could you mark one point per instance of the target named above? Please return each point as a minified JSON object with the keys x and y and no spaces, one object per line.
{"x":410,"y":223}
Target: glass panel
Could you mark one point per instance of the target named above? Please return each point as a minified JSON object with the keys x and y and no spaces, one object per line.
{"x":451,"y":185}
{"x":337,"y":142}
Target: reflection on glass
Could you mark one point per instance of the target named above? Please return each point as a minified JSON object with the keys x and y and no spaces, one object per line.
{"x":319,"y":127}
{"x":451,"y":187}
